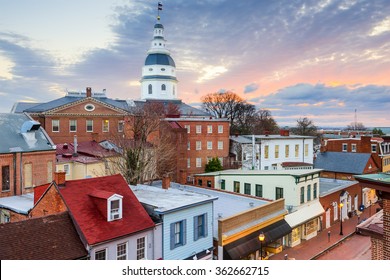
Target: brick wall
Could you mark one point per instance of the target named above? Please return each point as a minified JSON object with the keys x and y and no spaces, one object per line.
{"x":386,"y":229}
{"x":50,"y":203}
{"x":376,"y":249}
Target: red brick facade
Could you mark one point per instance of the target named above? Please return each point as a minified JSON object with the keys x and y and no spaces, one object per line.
{"x":40,"y":167}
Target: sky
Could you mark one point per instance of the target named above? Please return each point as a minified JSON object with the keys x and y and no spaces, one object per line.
{"x":325,"y":60}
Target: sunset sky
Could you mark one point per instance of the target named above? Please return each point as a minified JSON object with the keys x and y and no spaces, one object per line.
{"x":317,"y":59}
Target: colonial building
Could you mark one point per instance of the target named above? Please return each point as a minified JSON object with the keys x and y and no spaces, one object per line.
{"x":272,"y":152}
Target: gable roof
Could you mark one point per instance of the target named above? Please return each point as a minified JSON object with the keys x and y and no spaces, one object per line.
{"x":92,"y":223}
{"x":50,"y":237}
{"x":353,"y":163}
{"x":13,"y":140}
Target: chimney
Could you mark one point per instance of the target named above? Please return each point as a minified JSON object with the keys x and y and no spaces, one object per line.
{"x":166,"y":181}
{"x":59,"y":178}
{"x":89,"y":92}
{"x":284,"y":132}
{"x":75,"y":146}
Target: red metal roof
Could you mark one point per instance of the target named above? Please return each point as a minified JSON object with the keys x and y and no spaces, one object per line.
{"x":94,"y":225}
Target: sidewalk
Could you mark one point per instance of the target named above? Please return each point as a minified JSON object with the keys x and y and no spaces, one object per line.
{"x":314,"y":247}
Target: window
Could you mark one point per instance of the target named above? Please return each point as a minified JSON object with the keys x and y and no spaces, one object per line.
{"x":373,"y":148}
{"x":198,"y":129}
{"x":115,"y":209}
{"x":188,"y":145}
{"x":121,"y":251}
{"x":198,"y":145}
{"x":236,"y":187}
{"x":209,"y":145}
{"x":121,"y":126}
{"x":28,"y":175}
{"x":208,"y":183}
{"x":141,"y":248}
{"x":220,"y":145}
{"x":315,"y":191}
{"x":220,"y":128}
{"x":150,"y":89}
{"x":247,"y":188}
{"x":106,"y":125}
{"x":200,"y":226}
{"x":89,"y":125}
{"x":188,"y":128}
{"x":296,"y":150}
{"x":353,"y":148}
{"x":266,"y":150}
{"x":163,"y":86}
{"x":302,"y":195}
{"x":276,"y":151}
{"x":259,"y":190}
{"x":308,"y":193}
{"x":100,"y":255}
{"x":287,"y":150}
{"x":89,"y":107}
{"x":55,"y":125}
{"x":72,"y":125}
{"x":178,"y":234}
{"x":198,"y":162}
{"x":306,"y":150}
{"x":209,"y":129}
{"x":66,"y":169}
{"x":345,"y":147}
{"x":188,"y":162}
{"x":223,"y":184}
{"x":278,"y":193}
{"x":200,"y":182}
{"x":5,"y":186}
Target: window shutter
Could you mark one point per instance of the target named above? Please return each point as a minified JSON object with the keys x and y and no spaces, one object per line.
{"x":206,"y":232}
{"x":196,"y":237}
{"x":172,"y":234}
{"x":184,"y":232}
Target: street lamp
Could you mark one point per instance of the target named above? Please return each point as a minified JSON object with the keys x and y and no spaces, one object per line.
{"x":341,"y":218}
{"x":261,"y":238}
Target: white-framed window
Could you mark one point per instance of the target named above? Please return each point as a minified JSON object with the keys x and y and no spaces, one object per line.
{"x":276,"y":151}
{"x":55,"y":125}
{"x":209,"y":129}
{"x":121,"y":126}
{"x":287,"y":151}
{"x":198,"y":129}
{"x":114,"y":207}
{"x":106,"y":126}
{"x":296,"y":150}
{"x":188,"y":145}
{"x":188,"y":162}
{"x":198,"y":162}
{"x":89,"y":125}
{"x":220,"y":128}
{"x":66,"y":169}
{"x":101,"y":254}
{"x":121,"y":251}
{"x":72,"y":125}
{"x":188,"y":127}
{"x":198,"y":145}
{"x":353,"y":148}
{"x":209,"y":145}
{"x":306,"y":150}
{"x":141,"y":248}
{"x":345,"y":147}
{"x":220,"y":145}
{"x":373,"y":148}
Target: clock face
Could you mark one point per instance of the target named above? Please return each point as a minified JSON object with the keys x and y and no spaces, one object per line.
{"x":89,"y":107}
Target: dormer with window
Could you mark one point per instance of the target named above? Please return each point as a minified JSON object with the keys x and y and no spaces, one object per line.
{"x":109,"y":204}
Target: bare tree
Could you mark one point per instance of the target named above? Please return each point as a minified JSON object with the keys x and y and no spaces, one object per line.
{"x":356,"y":126}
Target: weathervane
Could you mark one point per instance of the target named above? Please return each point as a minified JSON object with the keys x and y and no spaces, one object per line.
{"x":159,"y":8}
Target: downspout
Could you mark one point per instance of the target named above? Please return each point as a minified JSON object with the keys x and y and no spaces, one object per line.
{"x":14,"y":168}
{"x":21,"y":173}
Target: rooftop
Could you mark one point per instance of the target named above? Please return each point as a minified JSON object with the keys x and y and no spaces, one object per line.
{"x":352,"y":163}
{"x":240,"y":172}
{"x":18,"y":203}
{"x":328,"y":186}
{"x":247,"y":139}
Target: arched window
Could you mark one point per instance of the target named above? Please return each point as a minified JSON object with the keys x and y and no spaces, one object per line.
{"x":150,"y":89}
{"x":163,"y":87}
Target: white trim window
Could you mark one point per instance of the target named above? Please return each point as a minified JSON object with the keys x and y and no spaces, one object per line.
{"x":67,"y":169}
{"x":121,"y":251}
{"x":353,"y":148}
{"x":72,"y":125}
{"x":106,"y":126}
{"x":209,"y":129}
{"x":89,"y":125}
{"x":101,"y":254}
{"x":345,"y":147}
{"x":198,"y":162}
{"x":121,"y":126}
{"x":55,"y":125}
{"x":188,"y":127}
{"x":114,"y":207}
{"x":220,"y":129}
{"x":198,"y":145}
{"x":188,"y":162}
{"x":209,"y":145}
{"x":188,"y":145}
{"x":141,"y":248}
{"x":373,"y":148}
{"x":220,"y":145}
{"x":198,"y":129}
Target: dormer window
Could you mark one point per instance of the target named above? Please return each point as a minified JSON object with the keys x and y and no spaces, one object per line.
{"x":114,"y":208}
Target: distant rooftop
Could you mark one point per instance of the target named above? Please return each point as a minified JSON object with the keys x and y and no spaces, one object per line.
{"x":19,"y":203}
{"x":247,"y":139}
{"x":328,"y":186}
{"x":235,"y":172}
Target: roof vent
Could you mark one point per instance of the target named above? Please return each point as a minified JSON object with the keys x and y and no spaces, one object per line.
{"x":251,"y":204}
{"x":29,"y":126}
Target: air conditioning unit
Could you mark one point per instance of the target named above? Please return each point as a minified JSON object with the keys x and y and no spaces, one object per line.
{"x":115,"y":216}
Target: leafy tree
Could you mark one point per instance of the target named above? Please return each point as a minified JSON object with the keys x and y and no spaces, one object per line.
{"x":377,"y":131}
{"x":213,"y":165}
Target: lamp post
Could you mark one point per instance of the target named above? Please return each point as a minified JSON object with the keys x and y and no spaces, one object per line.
{"x":261,"y":238}
{"x":341,"y":218}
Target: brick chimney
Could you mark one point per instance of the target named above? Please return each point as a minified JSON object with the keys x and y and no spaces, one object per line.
{"x":284,"y":132}
{"x":59,"y":178}
{"x":89,"y":92}
{"x":166,"y":182}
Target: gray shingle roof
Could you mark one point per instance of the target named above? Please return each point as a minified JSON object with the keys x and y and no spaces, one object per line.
{"x":353,"y":163}
{"x":12,"y":140}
